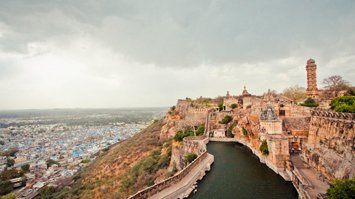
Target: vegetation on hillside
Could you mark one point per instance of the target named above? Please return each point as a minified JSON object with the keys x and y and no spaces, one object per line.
{"x":180,"y":135}
{"x":189,"y":158}
{"x":342,"y":189}
{"x":343,"y":104}
{"x":142,"y":174}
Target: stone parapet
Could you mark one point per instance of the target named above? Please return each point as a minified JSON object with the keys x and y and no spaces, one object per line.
{"x":154,"y":189}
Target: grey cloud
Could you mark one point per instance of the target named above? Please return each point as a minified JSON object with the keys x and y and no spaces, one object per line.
{"x":188,"y":33}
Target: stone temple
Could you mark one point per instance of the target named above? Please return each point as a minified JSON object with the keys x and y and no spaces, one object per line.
{"x":312,"y":90}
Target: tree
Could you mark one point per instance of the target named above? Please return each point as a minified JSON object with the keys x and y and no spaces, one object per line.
{"x":309,"y":102}
{"x":333,"y":85}
{"x":9,"y":174}
{"x":5,"y":187}
{"x":342,"y":189}
{"x":25,"y":168}
{"x":264,"y":148}
{"x":233,"y":106}
{"x":189,"y":158}
{"x":10,"y":162}
{"x":296,"y":93}
{"x":343,"y":104}
{"x":51,"y":162}
{"x":226,"y":119}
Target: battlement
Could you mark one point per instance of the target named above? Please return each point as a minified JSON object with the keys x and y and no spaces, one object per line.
{"x":332,"y":114}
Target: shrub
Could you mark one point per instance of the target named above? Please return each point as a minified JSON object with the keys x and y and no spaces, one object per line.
{"x":179,"y":136}
{"x":233,"y":106}
{"x":25,"y":168}
{"x":85,"y":161}
{"x":200,"y":130}
{"x":245,"y":132}
{"x":220,"y":106}
{"x":5,"y":187}
{"x":226,"y":119}
{"x":342,"y":189}
{"x":343,"y":104}
{"x":189,"y":158}
{"x":51,"y":162}
{"x":309,"y":102}
{"x":9,"y":174}
{"x":229,"y":133}
{"x":10,"y":162}
{"x":264,"y":148}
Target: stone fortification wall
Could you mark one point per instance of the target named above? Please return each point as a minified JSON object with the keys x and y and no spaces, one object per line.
{"x":330,"y":148}
{"x":154,"y":189}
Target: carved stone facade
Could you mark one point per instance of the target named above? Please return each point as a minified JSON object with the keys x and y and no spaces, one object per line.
{"x":312,"y":90}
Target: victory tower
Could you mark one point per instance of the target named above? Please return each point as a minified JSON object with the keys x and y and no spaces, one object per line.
{"x":312,"y":90}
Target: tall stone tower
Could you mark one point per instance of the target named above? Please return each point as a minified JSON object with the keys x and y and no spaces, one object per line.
{"x":312,"y":90}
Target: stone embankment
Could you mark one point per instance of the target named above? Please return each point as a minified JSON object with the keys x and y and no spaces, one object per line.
{"x":181,"y":184}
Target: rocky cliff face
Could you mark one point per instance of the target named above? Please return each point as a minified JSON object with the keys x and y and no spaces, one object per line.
{"x":331,"y":145}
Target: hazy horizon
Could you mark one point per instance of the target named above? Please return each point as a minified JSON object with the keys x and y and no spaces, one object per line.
{"x":89,"y":54}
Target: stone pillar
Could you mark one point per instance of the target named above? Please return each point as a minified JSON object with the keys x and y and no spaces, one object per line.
{"x":312,"y":90}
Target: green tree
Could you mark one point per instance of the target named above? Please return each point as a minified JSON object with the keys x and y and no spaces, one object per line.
{"x":51,"y":162}
{"x":309,"y":102}
{"x":264,"y":148}
{"x":25,"y":168}
{"x":10,"y":162}
{"x":200,"y":130}
{"x":189,"y":158}
{"x":233,"y":106}
{"x":342,"y":189}
{"x":343,"y":104}
{"x":5,"y":187}
{"x":46,"y":192}
{"x":220,"y":106}
{"x":226,"y":119}
{"x":245,"y":132}
{"x":9,"y":174}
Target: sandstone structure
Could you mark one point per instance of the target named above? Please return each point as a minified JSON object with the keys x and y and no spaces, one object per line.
{"x":312,"y":90}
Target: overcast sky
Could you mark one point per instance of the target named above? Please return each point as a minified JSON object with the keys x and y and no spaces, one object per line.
{"x":91,"y":54}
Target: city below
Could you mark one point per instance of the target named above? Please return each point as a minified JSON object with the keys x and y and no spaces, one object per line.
{"x":49,"y":147}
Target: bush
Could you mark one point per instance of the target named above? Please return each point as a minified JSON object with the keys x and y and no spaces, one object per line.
{"x":245,"y":132}
{"x":342,"y":189}
{"x":85,"y":161}
{"x":220,"y":106}
{"x":229,"y":133}
{"x":309,"y":102}
{"x":10,"y":162}
{"x":343,"y":104}
{"x":264,"y":148}
{"x":9,"y":174}
{"x":233,"y":106}
{"x":180,"y":135}
{"x":51,"y":162}
{"x":46,"y":192}
{"x":25,"y":168}
{"x":189,"y":158}
{"x":5,"y":187}
{"x":226,"y":119}
{"x":200,"y":130}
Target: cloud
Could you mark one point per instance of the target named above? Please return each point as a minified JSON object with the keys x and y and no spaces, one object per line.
{"x":77,"y":53}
